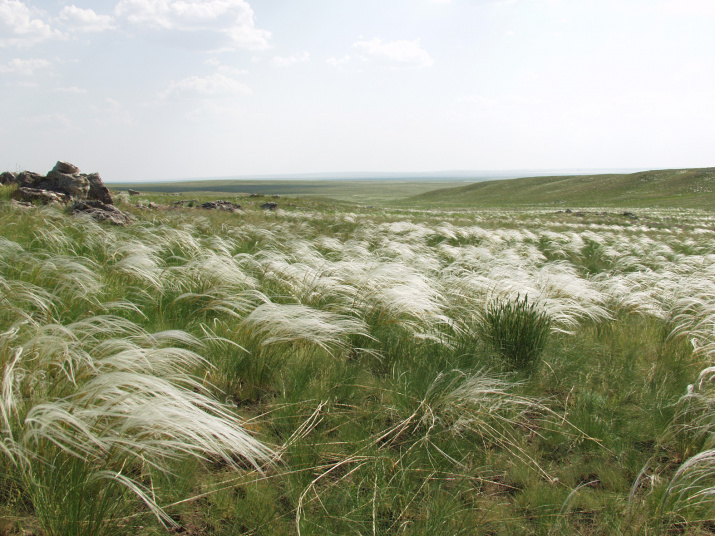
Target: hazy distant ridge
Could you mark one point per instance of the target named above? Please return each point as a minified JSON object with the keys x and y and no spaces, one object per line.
{"x":476,"y":175}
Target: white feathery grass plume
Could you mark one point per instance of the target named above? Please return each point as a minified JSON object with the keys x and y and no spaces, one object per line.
{"x":693,"y":310}
{"x":633,"y":291}
{"x":695,"y":412}
{"x":23,"y":300}
{"x":478,"y":396}
{"x":106,"y":392}
{"x":8,"y":402}
{"x":139,"y":262}
{"x":458,"y":402}
{"x":181,"y":242}
{"x":307,"y":277}
{"x":272,"y":323}
{"x":211,"y":270}
{"x":221,"y":301}
{"x":9,"y":251}
{"x":692,"y":487}
{"x":71,"y":277}
{"x":481,"y":275}
{"x":129,"y":414}
{"x":50,"y":237}
{"x":393,"y":292}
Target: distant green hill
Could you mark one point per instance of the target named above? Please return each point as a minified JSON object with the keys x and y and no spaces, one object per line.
{"x":686,"y":188}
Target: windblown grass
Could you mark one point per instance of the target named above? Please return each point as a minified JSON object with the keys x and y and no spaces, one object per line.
{"x":328,"y":372}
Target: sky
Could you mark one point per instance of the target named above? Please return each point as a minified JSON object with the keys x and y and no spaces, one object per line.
{"x":141,"y":90}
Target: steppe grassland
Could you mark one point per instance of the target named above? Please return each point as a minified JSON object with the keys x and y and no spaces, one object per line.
{"x":318,"y":372}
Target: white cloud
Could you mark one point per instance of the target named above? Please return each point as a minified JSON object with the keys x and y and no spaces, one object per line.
{"x":24,"y":67}
{"x":111,"y":112}
{"x":20,"y":25}
{"x":214,"y":85}
{"x":85,"y":20}
{"x":688,"y":7}
{"x":71,"y":89}
{"x":233,"y":19}
{"x":395,"y":54}
{"x":59,"y":121}
{"x":337,"y":62}
{"x":281,"y":61}
{"x":23,"y":84}
{"x":478,"y":100}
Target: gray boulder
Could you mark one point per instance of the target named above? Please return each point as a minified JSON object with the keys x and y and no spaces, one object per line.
{"x":32,"y":195}
{"x":97,"y":190}
{"x":269,"y":206}
{"x":101,"y":212}
{"x":29,"y":179}
{"x":8,"y":177}
{"x":76,"y":186}
{"x":221,"y":205}
{"x":65,"y":167}
{"x":133,"y":192}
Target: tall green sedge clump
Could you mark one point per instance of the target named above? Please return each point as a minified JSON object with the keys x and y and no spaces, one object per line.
{"x":518,"y":330}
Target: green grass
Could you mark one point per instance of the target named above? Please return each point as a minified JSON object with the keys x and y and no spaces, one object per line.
{"x":352,"y":344}
{"x":685,"y":188}
{"x":352,"y":191}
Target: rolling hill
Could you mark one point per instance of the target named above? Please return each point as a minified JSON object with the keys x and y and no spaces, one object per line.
{"x":686,"y":188}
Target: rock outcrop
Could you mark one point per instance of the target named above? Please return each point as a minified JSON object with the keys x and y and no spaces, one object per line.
{"x":100,"y":211}
{"x":64,"y":184}
{"x":222,"y":205}
{"x":269,"y":206}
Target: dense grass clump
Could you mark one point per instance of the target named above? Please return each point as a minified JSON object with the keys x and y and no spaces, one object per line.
{"x":518,"y":330}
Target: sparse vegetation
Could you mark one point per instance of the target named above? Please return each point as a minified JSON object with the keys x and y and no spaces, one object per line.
{"x":327,"y":369}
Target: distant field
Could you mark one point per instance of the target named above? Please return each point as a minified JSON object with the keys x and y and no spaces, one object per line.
{"x":686,"y":188}
{"x":678,"y":188}
{"x":358,"y":191}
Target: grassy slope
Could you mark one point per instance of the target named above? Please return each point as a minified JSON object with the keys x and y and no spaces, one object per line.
{"x":360,"y":191}
{"x":666,"y":188}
